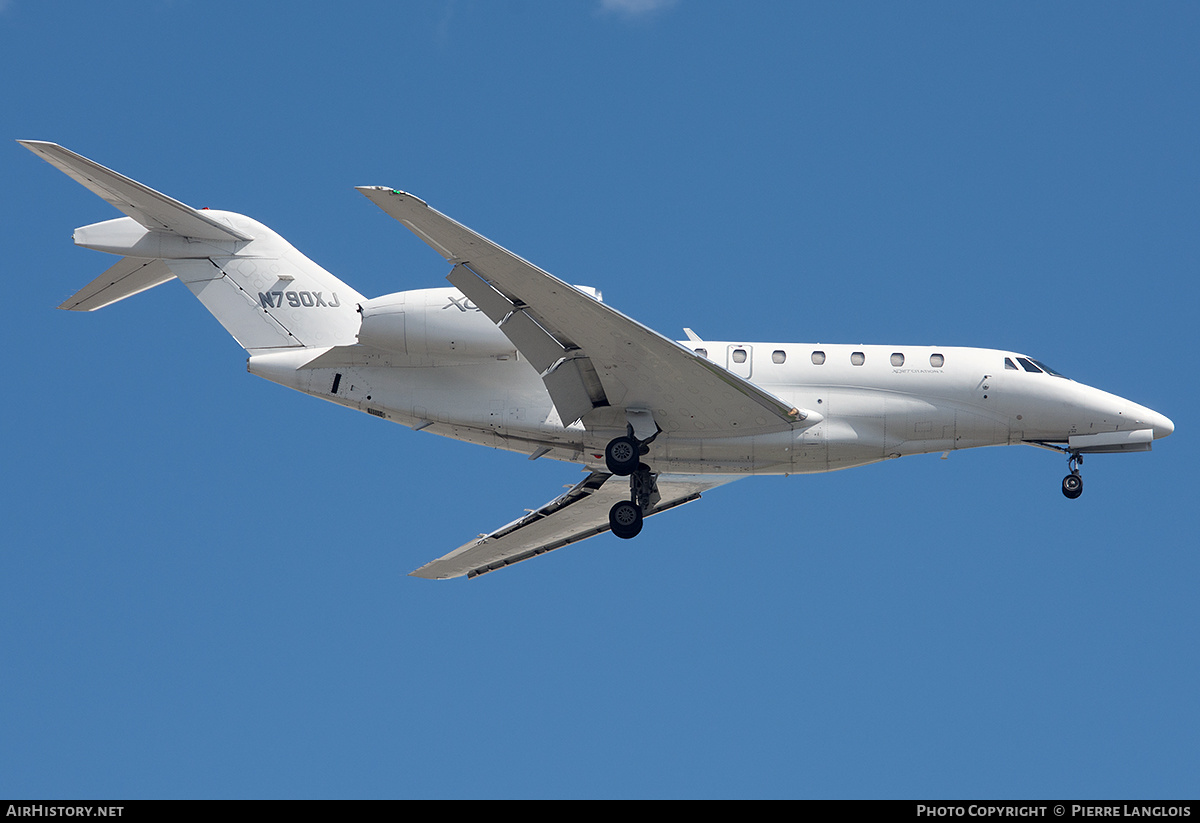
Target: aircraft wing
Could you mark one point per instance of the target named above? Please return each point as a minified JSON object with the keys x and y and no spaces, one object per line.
{"x":590,"y":356}
{"x":576,"y":515}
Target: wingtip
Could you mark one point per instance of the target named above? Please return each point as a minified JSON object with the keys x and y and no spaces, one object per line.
{"x":427,"y":575}
{"x":368,"y":191}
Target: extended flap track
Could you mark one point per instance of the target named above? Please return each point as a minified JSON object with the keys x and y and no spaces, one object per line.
{"x":566,"y":370}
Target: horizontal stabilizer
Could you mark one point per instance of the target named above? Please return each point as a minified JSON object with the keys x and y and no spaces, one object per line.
{"x":128,"y":277}
{"x":152,"y":209}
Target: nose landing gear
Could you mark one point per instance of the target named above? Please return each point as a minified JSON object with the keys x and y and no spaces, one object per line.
{"x":1072,"y":485}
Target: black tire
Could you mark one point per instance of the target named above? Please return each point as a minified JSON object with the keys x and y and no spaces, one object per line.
{"x":1072,"y":486}
{"x":625,"y":519}
{"x":621,"y":456}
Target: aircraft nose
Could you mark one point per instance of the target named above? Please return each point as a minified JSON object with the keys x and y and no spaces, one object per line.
{"x":1162,"y":425}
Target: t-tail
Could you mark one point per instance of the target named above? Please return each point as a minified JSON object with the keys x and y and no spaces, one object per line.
{"x":264,"y":292}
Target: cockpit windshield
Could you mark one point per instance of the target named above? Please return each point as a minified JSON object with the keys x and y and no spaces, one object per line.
{"x":1049,"y":370}
{"x":1035,"y":367}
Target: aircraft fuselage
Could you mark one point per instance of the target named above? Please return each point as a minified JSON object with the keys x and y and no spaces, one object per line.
{"x":438,"y":365}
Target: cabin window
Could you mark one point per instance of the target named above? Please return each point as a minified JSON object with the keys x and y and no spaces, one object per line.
{"x":1009,"y":364}
{"x":937,"y":361}
{"x":818,"y":358}
{"x":1027,"y":364}
{"x":897,"y":358}
{"x":739,"y":355}
{"x":858,"y":358}
{"x":702,"y":352}
{"x":778,"y":356}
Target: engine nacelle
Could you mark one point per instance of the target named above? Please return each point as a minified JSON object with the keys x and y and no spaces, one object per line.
{"x":431,"y":322}
{"x":435,"y":323}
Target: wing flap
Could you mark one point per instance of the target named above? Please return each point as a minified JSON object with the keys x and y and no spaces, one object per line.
{"x":576,"y":515}
{"x":491,"y":302}
{"x":540,"y":347}
{"x":567,"y":383}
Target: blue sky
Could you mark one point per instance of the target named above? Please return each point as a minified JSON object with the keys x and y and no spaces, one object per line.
{"x":202,"y":585}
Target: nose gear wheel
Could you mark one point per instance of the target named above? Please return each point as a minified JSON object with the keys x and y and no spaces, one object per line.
{"x":1072,"y":485}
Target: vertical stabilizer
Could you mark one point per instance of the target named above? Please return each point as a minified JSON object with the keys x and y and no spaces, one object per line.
{"x":270,"y":296}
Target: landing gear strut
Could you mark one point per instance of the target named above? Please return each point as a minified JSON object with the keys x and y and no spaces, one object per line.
{"x":625,"y":517}
{"x":1072,"y":485}
{"x":623,"y":455}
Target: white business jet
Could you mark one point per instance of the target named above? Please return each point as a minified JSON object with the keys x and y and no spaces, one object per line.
{"x":513,"y":358}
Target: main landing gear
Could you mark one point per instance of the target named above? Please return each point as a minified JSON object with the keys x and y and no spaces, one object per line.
{"x":622,"y":454}
{"x":1072,"y":485}
{"x":623,"y":457}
